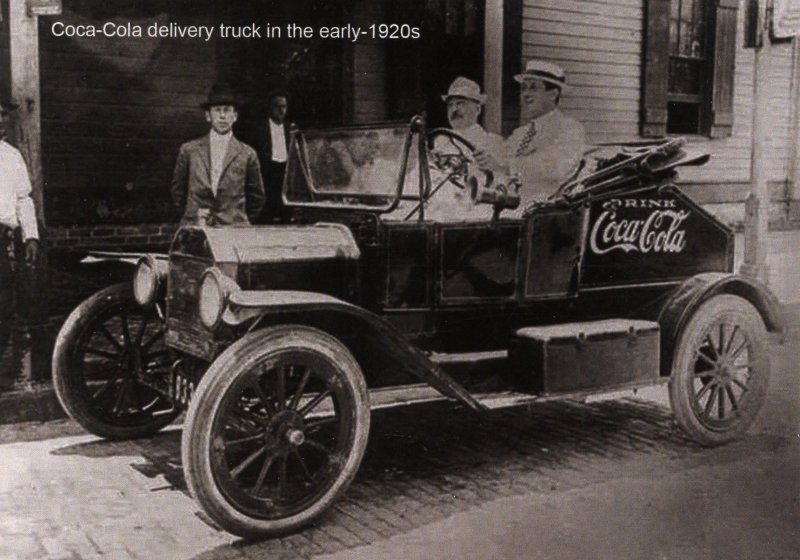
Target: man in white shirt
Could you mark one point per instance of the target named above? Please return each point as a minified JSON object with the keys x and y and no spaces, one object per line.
{"x":464,"y":105}
{"x":16,"y":205}
{"x":548,"y":148}
{"x":270,"y":139}
{"x":17,"y":216}
{"x":217,"y":179}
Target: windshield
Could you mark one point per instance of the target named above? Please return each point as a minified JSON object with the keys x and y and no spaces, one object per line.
{"x":359,"y":167}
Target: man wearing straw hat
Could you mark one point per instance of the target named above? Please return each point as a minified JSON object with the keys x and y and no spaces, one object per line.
{"x":17,"y":216}
{"x":548,"y":148}
{"x":464,"y":105}
{"x":217,"y":179}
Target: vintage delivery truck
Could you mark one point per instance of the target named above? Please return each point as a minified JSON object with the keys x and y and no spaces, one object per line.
{"x":278,"y":340}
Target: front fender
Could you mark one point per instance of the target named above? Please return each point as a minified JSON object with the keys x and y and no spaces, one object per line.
{"x":682,"y":304}
{"x":305,"y":307}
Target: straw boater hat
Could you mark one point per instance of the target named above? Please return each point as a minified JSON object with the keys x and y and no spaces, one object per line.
{"x":220,"y":94}
{"x":465,"y":88}
{"x":545,"y":71}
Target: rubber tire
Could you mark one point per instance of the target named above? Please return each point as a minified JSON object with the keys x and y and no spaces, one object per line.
{"x":67,"y":383}
{"x":679,"y":392}
{"x":236,"y":360}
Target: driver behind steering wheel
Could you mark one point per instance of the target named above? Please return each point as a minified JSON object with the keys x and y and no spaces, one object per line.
{"x":464,"y":105}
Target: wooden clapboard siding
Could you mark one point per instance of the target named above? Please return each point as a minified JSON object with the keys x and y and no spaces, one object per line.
{"x":599,"y":44}
{"x":779,"y":142}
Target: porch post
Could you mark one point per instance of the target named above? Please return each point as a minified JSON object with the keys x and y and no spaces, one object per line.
{"x":757,"y":206}
{"x":493,"y":66}
{"x":31,"y":345}
{"x":24,"y":51}
{"x":794,"y":127}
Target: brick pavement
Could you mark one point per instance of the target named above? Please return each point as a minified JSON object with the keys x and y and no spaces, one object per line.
{"x":80,"y":497}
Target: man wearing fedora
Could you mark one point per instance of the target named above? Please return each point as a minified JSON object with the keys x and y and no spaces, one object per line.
{"x":217,"y":179}
{"x":548,"y":148}
{"x":464,"y":105}
{"x":18,"y":226}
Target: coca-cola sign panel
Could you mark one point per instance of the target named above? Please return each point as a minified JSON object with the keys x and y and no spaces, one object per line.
{"x":651,"y":235}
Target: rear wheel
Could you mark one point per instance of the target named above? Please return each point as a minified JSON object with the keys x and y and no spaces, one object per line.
{"x":276,"y":430}
{"x":107,"y":344}
{"x":720,"y":371}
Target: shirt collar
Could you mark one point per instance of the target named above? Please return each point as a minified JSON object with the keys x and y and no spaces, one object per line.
{"x":546,"y":117}
{"x":217,"y":137}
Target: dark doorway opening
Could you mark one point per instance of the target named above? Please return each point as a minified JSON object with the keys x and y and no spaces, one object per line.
{"x":451,"y":45}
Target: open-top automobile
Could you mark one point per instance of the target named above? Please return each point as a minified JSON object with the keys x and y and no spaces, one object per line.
{"x":279,"y":340}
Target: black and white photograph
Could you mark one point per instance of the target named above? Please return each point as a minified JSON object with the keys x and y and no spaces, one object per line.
{"x":399,"y":279}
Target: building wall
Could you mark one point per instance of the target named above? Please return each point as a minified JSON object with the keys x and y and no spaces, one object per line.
{"x":370,"y":103}
{"x":114,"y":113}
{"x":599,"y":44}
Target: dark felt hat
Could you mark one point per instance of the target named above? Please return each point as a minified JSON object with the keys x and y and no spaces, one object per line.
{"x":221,"y":94}
{"x":6,"y":106}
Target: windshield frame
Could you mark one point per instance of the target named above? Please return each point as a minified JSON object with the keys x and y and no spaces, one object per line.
{"x":297,"y":158}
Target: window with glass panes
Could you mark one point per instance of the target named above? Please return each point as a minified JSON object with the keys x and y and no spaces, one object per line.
{"x":688,"y":73}
{"x":689,"y":63}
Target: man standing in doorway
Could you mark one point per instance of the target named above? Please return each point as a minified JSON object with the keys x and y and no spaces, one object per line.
{"x":271,"y":142}
{"x":217,"y":179}
{"x":548,"y":148}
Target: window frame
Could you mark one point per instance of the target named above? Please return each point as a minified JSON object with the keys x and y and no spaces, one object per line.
{"x":716,"y":111}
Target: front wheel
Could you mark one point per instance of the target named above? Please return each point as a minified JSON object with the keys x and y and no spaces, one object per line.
{"x":276,"y":430}
{"x":720,"y":370}
{"x":106,"y":347}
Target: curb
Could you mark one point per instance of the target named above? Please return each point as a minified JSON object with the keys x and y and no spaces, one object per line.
{"x":39,"y":403}
{"x":35,"y":404}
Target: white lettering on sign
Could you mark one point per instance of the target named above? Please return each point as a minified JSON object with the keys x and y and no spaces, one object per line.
{"x":660,"y":232}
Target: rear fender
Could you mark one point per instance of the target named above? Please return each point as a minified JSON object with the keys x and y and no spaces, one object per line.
{"x":684,"y":302}
{"x":380,"y":342}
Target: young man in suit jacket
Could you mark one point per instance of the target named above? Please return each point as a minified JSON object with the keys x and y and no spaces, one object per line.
{"x":217,"y":179}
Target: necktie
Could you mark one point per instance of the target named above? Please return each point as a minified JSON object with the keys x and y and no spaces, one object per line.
{"x":526,"y":140}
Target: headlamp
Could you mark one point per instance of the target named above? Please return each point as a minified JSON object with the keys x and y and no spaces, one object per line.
{"x":215,"y":288}
{"x":149,"y":280}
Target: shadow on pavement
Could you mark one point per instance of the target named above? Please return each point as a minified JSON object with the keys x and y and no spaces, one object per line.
{"x":428,"y":462}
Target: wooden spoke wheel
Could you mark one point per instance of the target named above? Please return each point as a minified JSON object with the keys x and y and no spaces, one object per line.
{"x":720,"y":371}
{"x":276,"y":430}
{"x":106,"y":346}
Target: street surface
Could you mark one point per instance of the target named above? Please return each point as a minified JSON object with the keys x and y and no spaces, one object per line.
{"x":611,"y":479}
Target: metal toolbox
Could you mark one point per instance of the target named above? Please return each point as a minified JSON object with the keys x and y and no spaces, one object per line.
{"x":573,"y":357}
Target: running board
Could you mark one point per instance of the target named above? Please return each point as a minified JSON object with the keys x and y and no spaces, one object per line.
{"x":391,"y":397}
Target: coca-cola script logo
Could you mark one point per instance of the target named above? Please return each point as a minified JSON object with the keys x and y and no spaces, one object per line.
{"x":658,"y":232}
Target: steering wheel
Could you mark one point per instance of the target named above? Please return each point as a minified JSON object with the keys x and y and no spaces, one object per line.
{"x":454,"y":166}
{"x":456,"y":163}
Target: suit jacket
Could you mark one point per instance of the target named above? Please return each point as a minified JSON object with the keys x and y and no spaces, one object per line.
{"x":553,"y":154}
{"x":240,"y":192}
{"x":259,"y":138}
{"x":257,"y":135}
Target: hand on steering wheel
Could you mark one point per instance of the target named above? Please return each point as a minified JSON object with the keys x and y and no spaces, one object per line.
{"x":455,"y":164}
